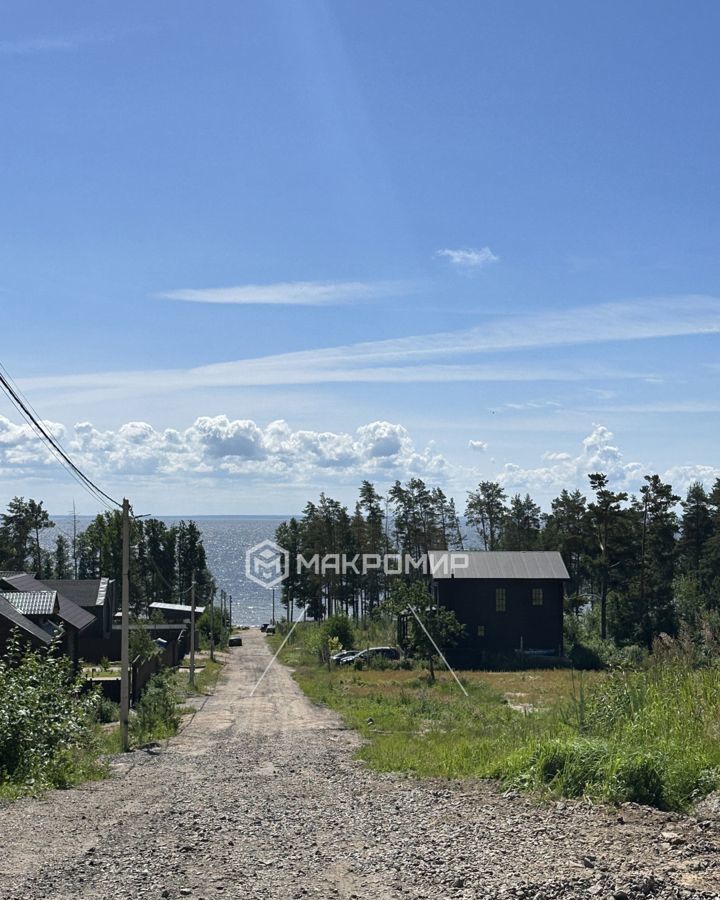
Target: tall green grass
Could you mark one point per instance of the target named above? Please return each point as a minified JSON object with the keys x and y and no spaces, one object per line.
{"x":650,"y":736}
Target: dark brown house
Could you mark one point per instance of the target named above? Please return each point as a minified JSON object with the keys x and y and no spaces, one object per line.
{"x":511,"y":603}
{"x":83,"y":608}
{"x":12,"y":620}
{"x":50,"y":610}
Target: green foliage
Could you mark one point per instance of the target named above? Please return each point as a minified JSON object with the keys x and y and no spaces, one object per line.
{"x":162,"y":557}
{"x":341,"y":629}
{"x":106,"y":710}
{"x":20,"y":536}
{"x":437,"y":628}
{"x":156,"y":713}
{"x":142,"y":646}
{"x":214,"y":623}
{"x":46,"y":733}
{"x":648,"y":736}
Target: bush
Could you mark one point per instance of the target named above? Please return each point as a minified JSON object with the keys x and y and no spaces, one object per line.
{"x":216,"y":624}
{"x":141,"y":644}
{"x":46,"y":720}
{"x":583,"y":657}
{"x":106,"y":710}
{"x":341,"y":628}
{"x":156,"y":712}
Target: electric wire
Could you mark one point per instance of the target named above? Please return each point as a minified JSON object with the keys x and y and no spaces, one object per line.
{"x":50,"y":440}
{"x":52,"y":443}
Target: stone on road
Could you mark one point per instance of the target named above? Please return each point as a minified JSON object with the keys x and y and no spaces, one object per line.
{"x":260,"y":797}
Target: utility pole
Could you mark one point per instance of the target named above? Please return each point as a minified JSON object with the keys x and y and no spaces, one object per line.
{"x":230,"y":596}
{"x":124,"y":635}
{"x":273,"y":613}
{"x":212,"y":625}
{"x":75,"y":565}
{"x":192,"y":631}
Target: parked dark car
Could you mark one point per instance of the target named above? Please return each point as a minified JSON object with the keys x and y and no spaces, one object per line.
{"x":270,"y":629}
{"x":235,"y":640}
{"x":372,"y":653}
{"x":264,"y":626}
{"x":337,"y":658}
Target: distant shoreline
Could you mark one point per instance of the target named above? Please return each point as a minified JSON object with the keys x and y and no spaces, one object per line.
{"x":186,"y":516}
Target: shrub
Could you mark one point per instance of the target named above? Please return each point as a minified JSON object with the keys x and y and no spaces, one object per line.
{"x":106,"y":710}
{"x":340,"y":627}
{"x":156,"y":712}
{"x":141,"y":644}
{"x":46,"y":720}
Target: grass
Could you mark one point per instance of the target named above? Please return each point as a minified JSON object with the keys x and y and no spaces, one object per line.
{"x":651,"y":736}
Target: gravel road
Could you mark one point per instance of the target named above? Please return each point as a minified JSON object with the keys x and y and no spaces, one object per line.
{"x":259,"y":797}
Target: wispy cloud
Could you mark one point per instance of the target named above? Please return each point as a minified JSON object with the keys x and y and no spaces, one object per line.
{"x":290,"y":293}
{"x":433,"y":357}
{"x":466,"y":258}
{"x":480,"y":446}
{"x":42,"y":44}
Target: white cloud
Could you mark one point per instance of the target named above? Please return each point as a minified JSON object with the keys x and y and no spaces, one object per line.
{"x":290,"y":293}
{"x":477,"y":445}
{"x":467,"y":258}
{"x":598,"y":454}
{"x":221,"y":447}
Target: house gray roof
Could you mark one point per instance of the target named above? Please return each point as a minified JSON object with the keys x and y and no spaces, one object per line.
{"x":82,"y":591}
{"x":177,"y":607}
{"x":527,"y":565}
{"x":17,"y":620}
{"x":67,"y":610}
{"x":33,"y":603}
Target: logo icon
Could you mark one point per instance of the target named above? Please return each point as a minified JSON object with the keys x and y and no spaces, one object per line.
{"x":267,"y":564}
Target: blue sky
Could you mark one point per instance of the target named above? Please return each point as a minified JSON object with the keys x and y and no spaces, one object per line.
{"x":253,"y":251}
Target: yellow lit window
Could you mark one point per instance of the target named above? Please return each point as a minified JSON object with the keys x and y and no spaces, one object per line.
{"x":500,"y":599}
{"x":537,"y":596}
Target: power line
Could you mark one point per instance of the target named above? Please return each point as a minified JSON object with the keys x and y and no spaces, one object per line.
{"x":50,"y":445}
{"x":33,"y":419}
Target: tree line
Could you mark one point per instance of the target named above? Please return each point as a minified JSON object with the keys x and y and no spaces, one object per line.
{"x":639,"y":564}
{"x":162,"y":557}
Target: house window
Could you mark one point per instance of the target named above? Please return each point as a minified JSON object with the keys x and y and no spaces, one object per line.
{"x":481,"y":631}
{"x":537,"y":596}
{"x":500,"y":598}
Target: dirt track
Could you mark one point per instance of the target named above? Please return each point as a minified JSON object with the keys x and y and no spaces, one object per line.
{"x":259,"y":797}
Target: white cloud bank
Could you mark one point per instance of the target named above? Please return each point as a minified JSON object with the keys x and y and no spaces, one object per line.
{"x":466,"y":258}
{"x":223,"y":447}
{"x":598,"y":453}
{"x":290,"y":293}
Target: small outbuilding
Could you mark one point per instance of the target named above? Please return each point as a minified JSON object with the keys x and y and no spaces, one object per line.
{"x":510,"y":602}
{"x":175,"y":612}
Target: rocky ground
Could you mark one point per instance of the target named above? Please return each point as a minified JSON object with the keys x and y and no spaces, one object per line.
{"x":259,"y":797}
